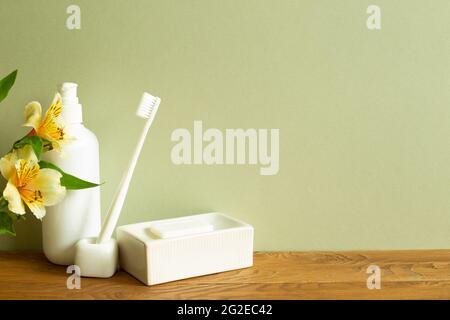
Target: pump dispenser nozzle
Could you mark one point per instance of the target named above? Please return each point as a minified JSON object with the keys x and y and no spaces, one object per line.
{"x":71,"y":111}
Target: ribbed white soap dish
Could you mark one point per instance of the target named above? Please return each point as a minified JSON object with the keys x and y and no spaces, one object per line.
{"x":173,"y":249}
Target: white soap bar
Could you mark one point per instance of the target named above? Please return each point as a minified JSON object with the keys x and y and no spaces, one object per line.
{"x":180,"y":228}
{"x":173,"y":249}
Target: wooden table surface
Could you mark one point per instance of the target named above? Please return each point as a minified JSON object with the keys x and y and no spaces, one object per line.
{"x":417,"y":274}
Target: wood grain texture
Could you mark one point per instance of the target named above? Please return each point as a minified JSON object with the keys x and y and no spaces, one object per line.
{"x":416,"y":274}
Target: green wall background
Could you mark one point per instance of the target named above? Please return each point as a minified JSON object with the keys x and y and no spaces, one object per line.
{"x":364,"y":116}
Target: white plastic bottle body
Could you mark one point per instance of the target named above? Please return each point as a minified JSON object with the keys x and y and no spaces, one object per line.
{"x":78,"y":215}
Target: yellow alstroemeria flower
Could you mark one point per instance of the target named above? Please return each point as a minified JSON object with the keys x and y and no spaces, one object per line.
{"x":29,"y":184}
{"x":51,"y":127}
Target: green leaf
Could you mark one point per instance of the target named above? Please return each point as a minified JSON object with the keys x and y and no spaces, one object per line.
{"x":35,"y":142}
{"x":67,"y":180}
{"x":6,"y":224}
{"x":6,"y":84}
{"x":3,"y":204}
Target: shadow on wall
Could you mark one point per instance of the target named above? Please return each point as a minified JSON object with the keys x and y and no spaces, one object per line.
{"x":28,"y":231}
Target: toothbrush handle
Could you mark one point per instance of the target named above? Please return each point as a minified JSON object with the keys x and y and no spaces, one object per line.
{"x":117,"y":204}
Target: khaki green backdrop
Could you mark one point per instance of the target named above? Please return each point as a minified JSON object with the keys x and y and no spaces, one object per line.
{"x":364,"y":116}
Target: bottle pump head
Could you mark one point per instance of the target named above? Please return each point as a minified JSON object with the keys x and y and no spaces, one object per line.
{"x":72,"y":110}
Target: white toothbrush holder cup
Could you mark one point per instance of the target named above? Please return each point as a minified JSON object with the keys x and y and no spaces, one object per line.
{"x":98,"y":260}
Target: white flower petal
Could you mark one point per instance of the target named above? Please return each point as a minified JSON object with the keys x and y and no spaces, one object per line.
{"x":37,"y":209}
{"x":33,"y":114}
{"x":26,"y":153}
{"x":7,"y":166}
{"x":12,"y":195}
{"x":48,"y":182}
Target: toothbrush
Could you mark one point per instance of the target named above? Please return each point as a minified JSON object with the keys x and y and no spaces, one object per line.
{"x":147,"y":110}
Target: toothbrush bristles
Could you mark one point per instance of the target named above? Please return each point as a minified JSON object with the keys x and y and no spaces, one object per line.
{"x":147,"y":105}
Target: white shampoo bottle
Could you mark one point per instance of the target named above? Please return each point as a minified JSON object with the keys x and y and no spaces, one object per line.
{"x":78,"y":215}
